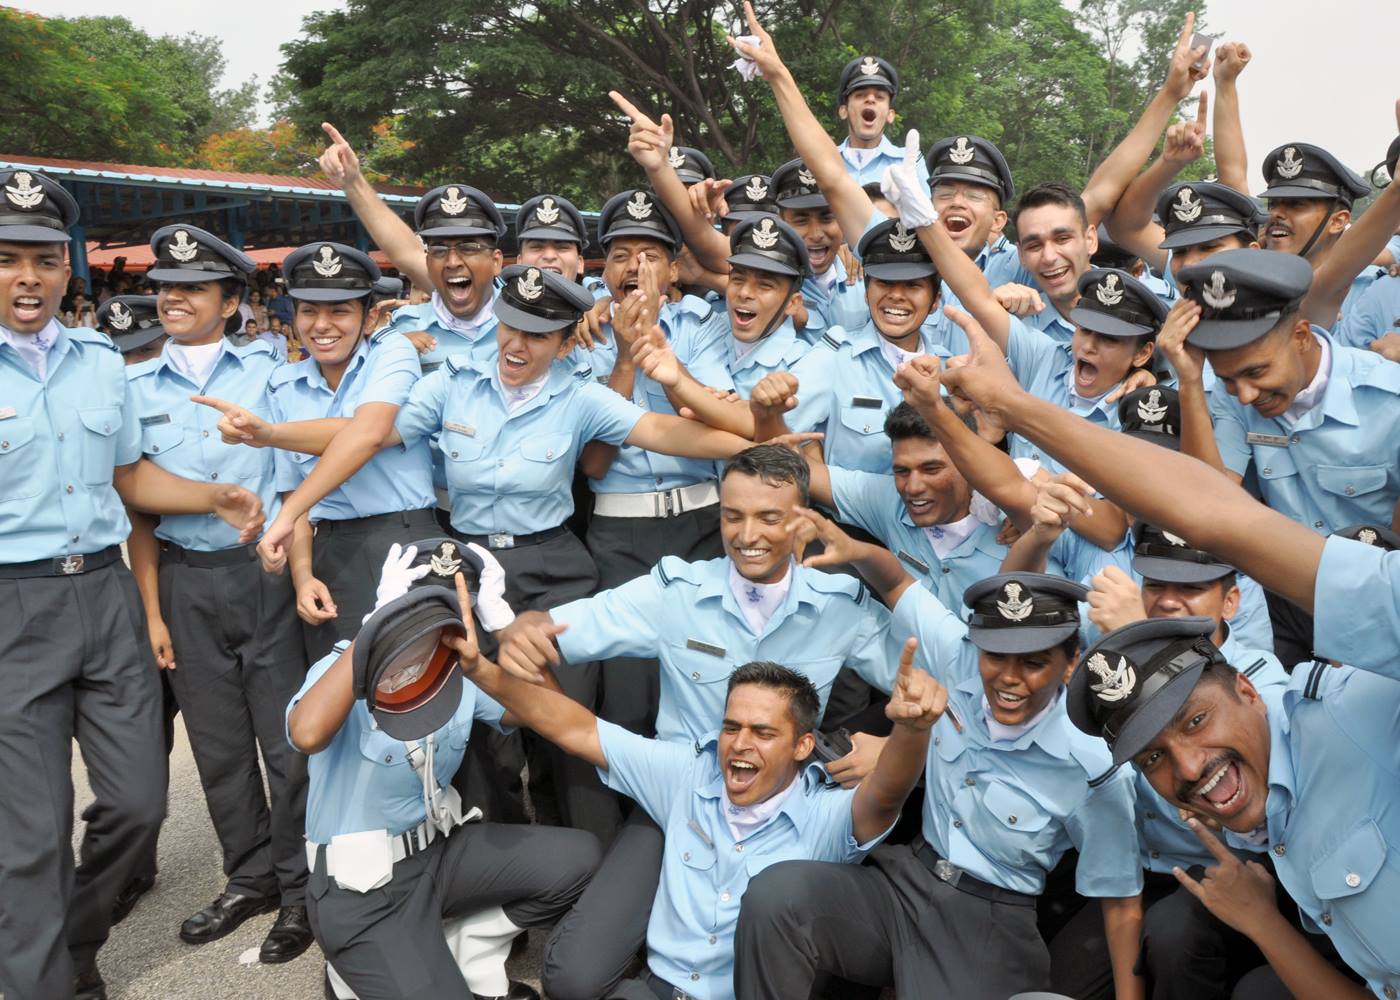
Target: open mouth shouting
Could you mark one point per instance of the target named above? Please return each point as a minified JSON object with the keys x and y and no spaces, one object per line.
{"x":744,"y":321}
{"x":1056,"y":276}
{"x":457,"y":291}
{"x":28,"y":309}
{"x":820,"y":256}
{"x":513,"y":364}
{"x":1086,"y":377}
{"x":1223,"y":792}
{"x":740,"y":773}
{"x":1278,"y":232}
{"x":956,"y":222}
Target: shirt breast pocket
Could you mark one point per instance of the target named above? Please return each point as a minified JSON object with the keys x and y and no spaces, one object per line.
{"x":1351,"y":481}
{"x":697,"y":668}
{"x":99,"y":443}
{"x":463,"y":456}
{"x":159,"y":440}
{"x":382,"y":749}
{"x":1009,"y":821}
{"x":1358,"y":881}
{"x":20,"y":477}
{"x":544,"y":468}
{"x":821,"y":672}
{"x":1275,"y":465}
{"x":863,"y":420}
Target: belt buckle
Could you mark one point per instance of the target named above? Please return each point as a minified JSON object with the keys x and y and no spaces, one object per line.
{"x":679,"y":994}
{"x":500,"y":540}
{"x":669,"y":498}
{"x":71,"y":565}
{"x":947,"y":871}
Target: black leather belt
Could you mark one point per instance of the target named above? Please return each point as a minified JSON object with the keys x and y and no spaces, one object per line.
{"x":239,"y":554}
{"x":663,"y":989}
{"x":501,"y":540}
{"x":963,"y":881}
{"x":62,"y":565}
{"x":422,"y":518}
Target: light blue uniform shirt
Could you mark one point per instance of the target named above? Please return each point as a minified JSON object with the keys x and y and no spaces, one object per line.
{"x":183,"y":437}
{"x":383,"y":369}
{"x":870,"y":500}
{"x":1339,"y":465}
{"x":479,"y":345}
{"x":362,"y":780}
{"x":685,"y":615}
{"x":1332,"y":815}
{"x":697,"y":333}
{"x":886,"y":155}
{"x":1001,"y":263}
{"x":777,"y":352}
{"x":60,"y":438}
{"x":1360,"y":285}
{"x":1356,"y":606}
{"x":1165,"y":840}
{"x":1373,"y":315}
{"x":704,"y":871}
{"x":1049,"y":322}
{"x":1007,"y":811}
{"x":511,"y":472}
{"x":841,"y":304}
{"x":845,"y":388}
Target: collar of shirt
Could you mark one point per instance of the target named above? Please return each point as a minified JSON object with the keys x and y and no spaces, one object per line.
{"x":317,"y":379}
{"x":34,"y":347}
{"x":1047,"y":729}
{"x":516,"y":396}
{"x":768,"y":352}
{"x":745,"y":820}
{"x":758,"y":601}
{"x":1278,"y":806}
{"x":869,"y":338}
{"x":895,"y":354}
{"x":469,"y":328}
{"x":946,"y":537}
{"x":194,"y":361}
{"x":715,"y":586}
{"x":1312,"y":395}
{"x":1010,"y":734}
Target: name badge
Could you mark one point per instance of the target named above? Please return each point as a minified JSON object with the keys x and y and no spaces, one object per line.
{"x":705,"y":647}
{"x":919,"y":565}
{"x":452,"y":425}
{"x":159,"y":418}
{"x":7,"y":413}
{"x":1277,"y":440}
{"x":868,"y":402}
{"x":430,"y":366}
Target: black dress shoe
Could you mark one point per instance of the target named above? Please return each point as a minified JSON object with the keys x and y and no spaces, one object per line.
{"x":129,"y":896}
{"x":88,"y":985}
{"x":290,"y":936}
{"x":518,"y":991}
{"x":223,"y":916}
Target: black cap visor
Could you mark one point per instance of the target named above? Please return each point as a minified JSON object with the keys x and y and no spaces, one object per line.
{"x":1191,"y":236}
{"x":1106,"y":324}
{"x":528,"y":322}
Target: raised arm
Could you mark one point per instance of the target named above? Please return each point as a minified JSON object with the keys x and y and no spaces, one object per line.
{"x":1197,"y":431}
{"x":654,"y":356}
{"x":1231,"y":161}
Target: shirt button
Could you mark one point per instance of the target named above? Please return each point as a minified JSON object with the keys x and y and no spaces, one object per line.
{"x":155,"y":448}
{"x":1280,"y":850}
{"x":713,"y":939}
{"x":549,"y":453}
{"x":106,"y":428}
{"x":1294,"y":439}
{"x":76,"y":537}
{"x":60,"y":435}
{"x":1150,"y":814}
{"x":68,"y":488}
{"x":969,"y":782}
{"x":1268,"y":471}
{"x":388,"y":758}
{"x":1154,"y":854}
{"x":685,"y":856}
{"x":1353,"y":879}
{"x":947,"y":569}
{"x":1317,"y":525}
{"x":4,"y":444}
{"x":695,"y":675}
{"x":1011,"y":820}
{"x":658,"y":480}
{"x":695,"y":977}
{"x":866,"y":429}
{"x":739,"y":848}
{"x":454,"y":454}
{"x":937,"y":740}
{"x":1389,"y":992}
{"x":204,"y":434}
{"x":500,"y":462}
{"x":1326,"y":918}
{"x":1350,"y":491}
{"x":957,"y":824}
{"x":724,"y":897}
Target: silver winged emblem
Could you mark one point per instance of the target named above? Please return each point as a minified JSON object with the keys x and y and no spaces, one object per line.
{"x":120,"y":317}
{"x":1108,"y":292}
{"x":1152,"y":410}
{"x":329,"y":265}
{"x":1188,"y":206}
{"x":756,"y":190}
{"x":445,"y":562}
{"x":1216,"y":294}
{"x":870,"y":67}
{"x":547,"y":212}
{"x":901,"y":239}
{"x":675,"y":157}
{"x":1367,"y":536}
{"x":961,"y":152}
{"x":1015,"y":608}
{"x":453,"y":202}
{"x":182,"y":248}
{"x":1115,"y":683}
{"x":805,"y":178}
{"x":24,"y":193}
{"x":1176,"y":540}
{"x":528,"y":285}
{"x":765,"y":237}
{"x":1290,"y":164}
{"x":639,"y":208}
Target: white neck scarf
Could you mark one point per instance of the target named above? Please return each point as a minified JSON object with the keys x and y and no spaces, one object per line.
{"x":195,"y":362}
{"x":746,"y":820}
{"x":1312,"y":395}
{"x":1010,"y":734}
{"x":469,"y":328}
{"x":517,"y":396}
{"x":946,"y":537}
{"x":33,"y":347}
{"x":758,"y":601}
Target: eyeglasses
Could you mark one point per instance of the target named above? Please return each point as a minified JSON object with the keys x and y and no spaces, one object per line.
{"x":943,"y":194}
{"x":441,"y":251}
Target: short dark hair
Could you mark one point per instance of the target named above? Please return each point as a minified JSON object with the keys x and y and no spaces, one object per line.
{"x":1229,"y":580}
{"x":904,"y":422}
{"x":803,"y":702}
{"x":1052,"y":193}
{"x":1222,"y":673}
{"x":775,"y":465}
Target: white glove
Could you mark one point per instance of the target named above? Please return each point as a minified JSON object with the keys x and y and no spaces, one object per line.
{"x":398,"y":574}
{"x":747,"y":68}
{"x":491,"y":608}
{"x":905,"y":191}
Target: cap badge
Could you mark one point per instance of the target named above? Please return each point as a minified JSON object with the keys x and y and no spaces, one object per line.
{"x":1115,"y":683}
{"x":765,"y":237}
{"x":639,"y":208}
{"x":23,"y":193}
{"x":453,"y":202}
{"x":901,"y":239}
{"x":528,"y":285}
{"x":1176,"y":540}
{"x":1215,"y":294}
{"x":1015,"y":608}
{"x":870,"y":67}
{"x":1290,"y":164}
{"x":1367,"y":537}
{"x":756,"y":190}
{"x":805,"y":178}
{"x":329,"y":265}
{"x":1152,"y":410}
{"x":961,"y":152}
{"x":445,"y":562}
{"x":182,"y":248}
{"x":547,"y":212}
{"x":1187,"y":207}
{"x":1108,"y":291}
{"x":675,"y":157}
{"x":119,"y":317}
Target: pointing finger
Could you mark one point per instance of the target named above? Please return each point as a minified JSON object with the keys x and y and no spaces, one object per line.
{"x":218,"y":404}
{"x":1201,"y":109}
{"x":911,"y":147}
{"x":629,"y":109}
{"x":334,"y":133}
{"x":1212,"y":843}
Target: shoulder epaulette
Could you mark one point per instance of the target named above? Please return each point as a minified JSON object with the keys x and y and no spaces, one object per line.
{"x":88,"y":335}
{"x":1317,"y":678}
{"x":673,"y":568}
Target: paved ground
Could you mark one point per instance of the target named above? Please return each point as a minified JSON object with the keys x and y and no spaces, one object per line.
{"x":145,"y":958}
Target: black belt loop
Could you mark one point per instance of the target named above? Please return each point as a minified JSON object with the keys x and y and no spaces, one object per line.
{"x":73,"y":565}
{"x":236,"y":556}
{"x":966,"y":881}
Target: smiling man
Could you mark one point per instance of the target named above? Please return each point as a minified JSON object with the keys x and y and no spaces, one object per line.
{"x":865,"y":98}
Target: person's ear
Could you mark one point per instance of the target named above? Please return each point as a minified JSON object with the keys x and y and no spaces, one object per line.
{"x":1144,"y":354}
{"x":1230,"y":604}
{"x":842,"y":113}
{"x":1339,"y":221}
{"x":497,"y":262}
{"x":806,"y":743}
{"x":1091,"y":239}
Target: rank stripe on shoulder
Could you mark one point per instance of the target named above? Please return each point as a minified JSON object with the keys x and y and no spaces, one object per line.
{"x":1315,"y":676}
{"x":1253,"y":668}
{"x":661,"y":572}
{"x":1096,"y":782}
{"x":831,"y":341}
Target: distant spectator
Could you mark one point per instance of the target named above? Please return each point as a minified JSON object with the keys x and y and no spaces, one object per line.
{"x":279,"y":304}
{"x":255,"y":303}
{"x":274,"y":336}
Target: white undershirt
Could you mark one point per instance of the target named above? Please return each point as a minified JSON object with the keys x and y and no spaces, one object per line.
{"x":989,"y":513}
{"x":1312,"y":395}
{"x":33,"y":347}
{"x":829,"y":278}
{"x":517,"y":396}
{"x":946,"y":537}
{"x":195,"y":362}
{"x":859,"y":157}
{"x":895,"y":354}
{"x":466,"y":327}
{"x":1010,"y":734}
{"x":758,"y":601}
{"x":745,"y":820}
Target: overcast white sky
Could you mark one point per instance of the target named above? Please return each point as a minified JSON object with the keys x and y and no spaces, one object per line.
{"x":1322,"y":72}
